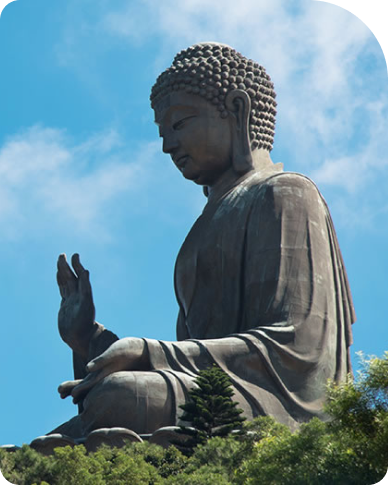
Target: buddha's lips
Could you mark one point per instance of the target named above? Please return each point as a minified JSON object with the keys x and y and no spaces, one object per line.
{"x":181,"y":161}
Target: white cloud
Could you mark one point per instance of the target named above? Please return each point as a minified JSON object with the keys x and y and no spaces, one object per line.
{"x":369,"y":165}
{"x":344,"y":172}
{"x":47,"y":179}
{"x":357,"y":184}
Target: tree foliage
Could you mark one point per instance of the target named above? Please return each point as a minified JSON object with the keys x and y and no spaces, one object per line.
{"x":350,"y":449}
{"x":210,"y":409}
{"x":73,"y":466}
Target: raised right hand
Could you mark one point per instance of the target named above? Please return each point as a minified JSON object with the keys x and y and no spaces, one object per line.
{"x":77,"y":312}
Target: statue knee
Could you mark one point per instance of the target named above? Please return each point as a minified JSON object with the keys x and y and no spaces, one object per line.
{"x":139,"y":401}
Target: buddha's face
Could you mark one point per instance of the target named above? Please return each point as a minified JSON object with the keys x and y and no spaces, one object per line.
{"x":198,"y":140}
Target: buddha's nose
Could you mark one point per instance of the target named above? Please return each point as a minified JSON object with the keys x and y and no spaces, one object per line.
{"x":170,"y":143}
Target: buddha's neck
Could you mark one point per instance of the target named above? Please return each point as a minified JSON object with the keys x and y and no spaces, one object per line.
{"x":261,"y":162}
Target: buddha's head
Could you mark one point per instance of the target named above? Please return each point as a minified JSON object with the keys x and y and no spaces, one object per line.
{"x":216,"y":106}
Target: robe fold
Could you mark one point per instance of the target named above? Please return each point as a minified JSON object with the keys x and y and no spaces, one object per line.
{"x":263,"y":293}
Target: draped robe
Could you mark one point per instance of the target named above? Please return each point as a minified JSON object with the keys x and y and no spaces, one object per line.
{"x":263,"y":293}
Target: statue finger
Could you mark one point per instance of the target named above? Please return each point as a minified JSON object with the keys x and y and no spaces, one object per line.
{"x":66,"y":276}
{"x":64,"y":288}
{"x":83,"y":275}
{"x":84,"y":283}
{"x":61,"y":285}
{"x":80,"y":391}
{"x":66,"y":387}
{"x":99,"y":362}
{"x":77,"y":266}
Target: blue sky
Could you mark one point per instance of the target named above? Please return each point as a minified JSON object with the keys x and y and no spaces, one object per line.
{"x":82,"y":169}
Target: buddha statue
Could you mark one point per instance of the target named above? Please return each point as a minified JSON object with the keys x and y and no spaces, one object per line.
{"x":260,"y":280}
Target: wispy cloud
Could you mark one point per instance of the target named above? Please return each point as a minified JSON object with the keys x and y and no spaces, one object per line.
{"x":369,"y":165}
{"x":47,"y":178}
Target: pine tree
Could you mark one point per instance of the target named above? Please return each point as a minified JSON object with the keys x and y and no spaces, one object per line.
{"x":210,"y":409}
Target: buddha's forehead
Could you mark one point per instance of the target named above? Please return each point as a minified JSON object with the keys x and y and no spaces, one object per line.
{"x":177,"y":101}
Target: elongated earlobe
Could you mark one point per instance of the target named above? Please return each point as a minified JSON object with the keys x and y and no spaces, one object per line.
{"x":238,"y":104}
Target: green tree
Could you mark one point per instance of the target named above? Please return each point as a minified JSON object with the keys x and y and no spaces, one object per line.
{"x":167,"y":461}
{"x":351,"y":448}
{"x":359,"y":411}
{"x":210,"y":409}
{"x":73,"y":466}
{"x":26,"y":466}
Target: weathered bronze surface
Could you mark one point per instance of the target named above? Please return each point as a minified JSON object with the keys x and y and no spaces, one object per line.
{"x":260,"y":280}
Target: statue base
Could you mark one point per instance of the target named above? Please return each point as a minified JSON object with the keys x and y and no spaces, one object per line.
{"x":113,"y":437}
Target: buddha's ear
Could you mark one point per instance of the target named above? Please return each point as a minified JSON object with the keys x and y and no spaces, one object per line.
{"x":238,"y":104}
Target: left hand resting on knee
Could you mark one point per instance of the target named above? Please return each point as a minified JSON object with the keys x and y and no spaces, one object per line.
{"x":127,"y":354}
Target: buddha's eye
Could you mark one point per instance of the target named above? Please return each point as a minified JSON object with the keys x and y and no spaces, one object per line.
{"x":180,"y":124}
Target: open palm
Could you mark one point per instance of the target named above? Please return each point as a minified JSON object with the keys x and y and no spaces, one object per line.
{"x":77,"y":311}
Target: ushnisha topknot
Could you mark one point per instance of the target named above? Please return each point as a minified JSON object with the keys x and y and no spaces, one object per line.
{"x":212,"y":70}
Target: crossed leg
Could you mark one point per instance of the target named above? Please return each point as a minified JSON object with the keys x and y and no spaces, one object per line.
{"x":140,"y":401}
